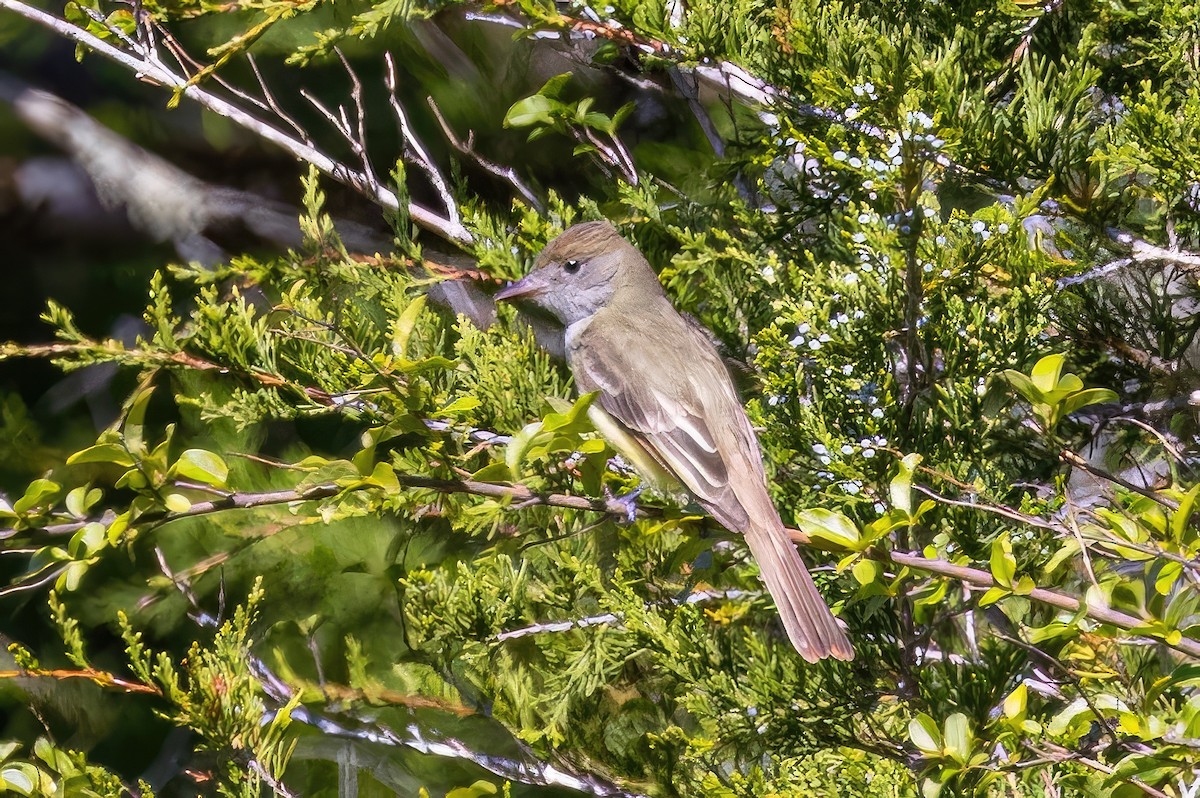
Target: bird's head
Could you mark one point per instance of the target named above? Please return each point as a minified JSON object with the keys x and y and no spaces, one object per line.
{"x":582,"y":271}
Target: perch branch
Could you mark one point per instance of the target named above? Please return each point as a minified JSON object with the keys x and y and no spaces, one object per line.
{"x":524,"y":497}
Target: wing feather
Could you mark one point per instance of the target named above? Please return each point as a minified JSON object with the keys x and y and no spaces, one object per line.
{"x":687,"y":419}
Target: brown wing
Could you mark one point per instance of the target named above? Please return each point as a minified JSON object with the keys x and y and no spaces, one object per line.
{"x":681,"y":405}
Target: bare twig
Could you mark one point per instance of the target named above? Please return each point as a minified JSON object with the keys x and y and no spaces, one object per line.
{"x":609,"y":617}
{"x":524,"y":768}
{"x":506,"y":173}
{"x":341,"y":123}
{"x":1077,"y":460}
{"x":415,"y":150}
{"x":360,"y":112}
{"x":521,"y":495}
{"x":1026,"y":39}
{"x":273,"y":105}
{"x":1051,"y":752}
{"x":150,"y":68}
{"x":116,"y":350}
{"x":1141,"y":251}
{"x":984,"y":579}
{"x":275,"y":784}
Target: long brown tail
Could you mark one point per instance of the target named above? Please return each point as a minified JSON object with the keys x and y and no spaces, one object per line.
{"x":810,"y":625}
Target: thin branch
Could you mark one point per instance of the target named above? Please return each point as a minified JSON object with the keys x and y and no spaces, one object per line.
{"x":272,"y":104}
{"x":101,"y":678}
{"x":515,"y":494}
{"x":610,"y":617}
{"x":1141,"y":251}
{"x":275,"y":784}
{"x":415,"y":150}
{"x":525,"y":768}
{"x":118,"y":351}
{"x":1023,"y":45}
{"x":995,"y":509}
{"x":506,"y":173}
{"x":341,"y":124}
{"x":1056,"y":753}
{"x":1077,"y":460}
{"x":523,"y":496}
{"x":378,"y":695}
{"x":151,"y":69}
{"x":360,"y":138}
{"x":984,"y":579}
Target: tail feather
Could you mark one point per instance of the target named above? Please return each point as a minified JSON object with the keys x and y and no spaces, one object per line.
{"x":810,"y":625}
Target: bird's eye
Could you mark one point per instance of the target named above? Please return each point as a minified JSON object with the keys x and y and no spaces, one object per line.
{"x":571,"y":266}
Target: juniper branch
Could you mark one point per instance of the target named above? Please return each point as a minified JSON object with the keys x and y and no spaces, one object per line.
{"x":525,"y":497}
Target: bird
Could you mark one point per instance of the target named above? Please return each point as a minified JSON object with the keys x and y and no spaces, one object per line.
{"x":666,"y":402}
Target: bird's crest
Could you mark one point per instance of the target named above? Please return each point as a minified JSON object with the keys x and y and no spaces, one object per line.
{"x":581,"y":242}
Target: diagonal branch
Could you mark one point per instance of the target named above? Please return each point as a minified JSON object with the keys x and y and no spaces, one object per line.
{"x":467,"y":148}
{"x":147,"y":66}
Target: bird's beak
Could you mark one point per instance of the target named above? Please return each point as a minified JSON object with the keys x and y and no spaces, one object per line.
{"x":531,"y":285}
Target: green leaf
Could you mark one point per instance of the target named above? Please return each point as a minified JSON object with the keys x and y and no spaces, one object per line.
{"x":993,"y":595}
{"x":76,"y":502}
{"x":459,"y":405}
{"x":958,"y":737}
{"x":866,"y":571}
{"x":177,"y":503}
{"x":88,"y":540}
{"x":1046,"y":372}
{"x":1016,"y":702}
{"x":41,"y":492}
{"x":19,"y":779}
{"x":900,"y":488}
{"x":135,"y":421}
{"x":103,"y":453}
{"x":829,"y":527}
{"x":554,"y":86}
{"x":1023,"y":384}
{"x":1068,"y":549}
{"x":493,"y":472}
{"x":476,"y":790}
{"x":923,"y":732}
{"x":622,"y":113}
{"x":384,"y":476}
{"x":1080,"y":399}
{"x":1004,"y":566}
{"x":1168,"y":575}
{"x":405,"y":323}
{"x":1181,"y":516}
{"x":535,"y":110}
{"x":574,"y":420}
{"x":71,"y":576}
{"x":1183,"y":676}
{"x":518,"y":445}
{"x":202,"y":466}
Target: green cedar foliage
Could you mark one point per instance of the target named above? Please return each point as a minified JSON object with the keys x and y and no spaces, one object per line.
{"x":891,"y":254}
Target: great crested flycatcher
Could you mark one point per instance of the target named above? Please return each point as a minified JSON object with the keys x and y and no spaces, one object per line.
{"x":667,"y":403}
